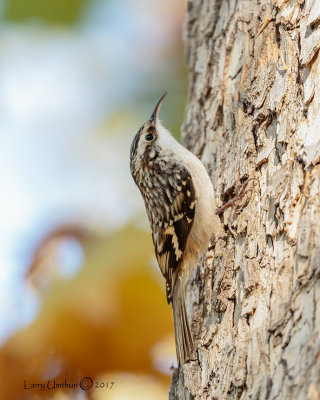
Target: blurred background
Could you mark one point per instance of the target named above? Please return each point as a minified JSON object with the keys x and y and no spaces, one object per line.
{"x":80,"y":291}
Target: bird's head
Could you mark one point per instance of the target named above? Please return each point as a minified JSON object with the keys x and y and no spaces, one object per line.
{"x":150,"y":138}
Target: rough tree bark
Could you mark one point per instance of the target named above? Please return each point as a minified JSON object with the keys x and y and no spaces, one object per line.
{"x":254,"y":111}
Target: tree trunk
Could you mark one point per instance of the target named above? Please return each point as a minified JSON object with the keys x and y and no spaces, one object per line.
{"x":254,"y":111}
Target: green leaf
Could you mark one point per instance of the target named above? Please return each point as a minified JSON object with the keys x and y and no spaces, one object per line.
{"x":56,"y":12}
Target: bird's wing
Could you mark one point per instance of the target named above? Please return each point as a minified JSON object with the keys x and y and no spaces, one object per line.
{"x":171,"y":228}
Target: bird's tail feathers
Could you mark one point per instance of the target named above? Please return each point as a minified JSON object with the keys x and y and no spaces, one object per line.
{"x":183,"y":335}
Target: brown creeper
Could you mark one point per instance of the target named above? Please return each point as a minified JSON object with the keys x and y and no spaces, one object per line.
{"x":179,"y":201}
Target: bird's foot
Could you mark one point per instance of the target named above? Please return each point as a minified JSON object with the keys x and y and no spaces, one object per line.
{"x":240,"y":191}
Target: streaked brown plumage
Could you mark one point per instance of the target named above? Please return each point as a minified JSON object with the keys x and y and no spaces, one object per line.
{"x":179,"y":201}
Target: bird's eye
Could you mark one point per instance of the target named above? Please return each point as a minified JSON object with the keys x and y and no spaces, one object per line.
{"x":149,"y":137}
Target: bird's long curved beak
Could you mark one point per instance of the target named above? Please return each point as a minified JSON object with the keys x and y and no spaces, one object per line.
{"x":155,"y":113}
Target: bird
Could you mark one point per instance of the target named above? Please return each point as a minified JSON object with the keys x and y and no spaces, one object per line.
{"x":180,"y":204}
